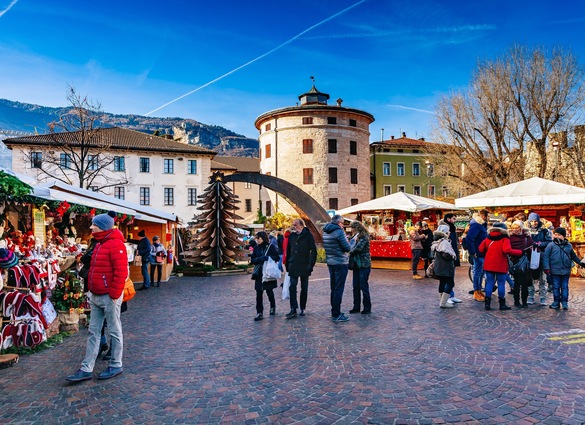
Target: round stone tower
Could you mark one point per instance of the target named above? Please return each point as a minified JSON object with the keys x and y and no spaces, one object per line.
{"x":322,"y":149}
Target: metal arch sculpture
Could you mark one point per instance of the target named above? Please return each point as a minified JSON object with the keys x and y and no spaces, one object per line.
{"x":305,"y":206}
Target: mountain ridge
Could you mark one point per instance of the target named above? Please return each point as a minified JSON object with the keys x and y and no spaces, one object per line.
{"x":19,"y":118}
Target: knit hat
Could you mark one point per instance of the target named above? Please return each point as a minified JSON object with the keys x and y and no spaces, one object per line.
{"x":519,"y":223}
{"x":7,"y":258}
{"x":155,"y":238}
{"x":437,"y":235}
{"x":533,"y":216}
{"x":443,"y":228}
{"x":104,"y":221}
{"x":561,"y":231}
{"x":501,"y":225}
{"x":142,"y":233}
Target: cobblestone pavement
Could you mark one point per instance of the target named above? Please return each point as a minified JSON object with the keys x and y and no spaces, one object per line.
{"x":194,"y":355}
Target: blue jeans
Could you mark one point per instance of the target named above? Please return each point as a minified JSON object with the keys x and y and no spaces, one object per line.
{"x":500,"y":279}
{"x":560,"y":287}
{"x":337,"y":276}
{"x":361,"y":286}
{"x":477,"y":272}
{"x":145,"y":274}
{"x":103,"y":307}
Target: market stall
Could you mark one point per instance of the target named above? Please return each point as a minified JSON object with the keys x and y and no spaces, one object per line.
{"x":560,"y":204}
{"x":388,"y":218}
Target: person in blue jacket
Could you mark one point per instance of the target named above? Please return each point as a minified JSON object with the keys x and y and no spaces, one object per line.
{"x":336,"y":248}
{"x":541,"y":237}
{"x":557,"y":261}
{"x":475,"y":235}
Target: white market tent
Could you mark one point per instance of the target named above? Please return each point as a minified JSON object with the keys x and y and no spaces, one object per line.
{"x":533,"y":191}
{"x":398,"y":201}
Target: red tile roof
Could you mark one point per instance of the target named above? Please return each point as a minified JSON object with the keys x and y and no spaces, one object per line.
{"x":114,"y":138}
{"x":241,"y":163}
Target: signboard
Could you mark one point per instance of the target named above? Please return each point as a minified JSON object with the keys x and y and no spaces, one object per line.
{"x":39,"y":226}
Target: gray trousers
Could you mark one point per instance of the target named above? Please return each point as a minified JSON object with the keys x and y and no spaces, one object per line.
{"x":103,"y":307}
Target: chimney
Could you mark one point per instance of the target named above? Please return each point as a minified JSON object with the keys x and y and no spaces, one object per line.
{"x":339,"y":102}
{"x":391,"y":137}
{"x":403,"y":134}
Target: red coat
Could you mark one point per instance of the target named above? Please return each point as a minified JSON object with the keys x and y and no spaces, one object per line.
{"x":109,"y":264}
{"x":496,"y":248}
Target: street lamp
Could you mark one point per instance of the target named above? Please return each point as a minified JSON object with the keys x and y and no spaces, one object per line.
{"x":555,"y":146}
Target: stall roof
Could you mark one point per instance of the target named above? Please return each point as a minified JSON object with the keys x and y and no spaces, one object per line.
{"x":57,"y":195}
{"x":533,"y":191}
{"x":398,"y":201}
{"x":140,"y":212}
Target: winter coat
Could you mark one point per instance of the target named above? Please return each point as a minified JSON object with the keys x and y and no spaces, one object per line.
{"x":541,"y":236}
{"x":475,"y":235}
{"x":444,"y":258}
{"x":558,"y":257}
{"x":416,"y":238}
{"x":157,"y":250}
{"x":336,"y":245}
{"x":454,"y":241}
{"x":144,"y":248}
{"x":301,"y":253}
{"x":109,"y":264}
{"x":259,"y":256}
{"x":496,"y":248}
{"x":360,"y":250}
{"x":521,"y":242}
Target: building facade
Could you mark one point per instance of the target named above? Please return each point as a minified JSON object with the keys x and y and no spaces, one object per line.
{"x":405,"y":165}
{"x":141,"y":168}
{"x":321,"y":149}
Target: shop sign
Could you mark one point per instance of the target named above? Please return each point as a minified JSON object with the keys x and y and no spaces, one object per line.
{"x":39,"y":226}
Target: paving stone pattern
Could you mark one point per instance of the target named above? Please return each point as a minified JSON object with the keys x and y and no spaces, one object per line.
{"x":194,"y":355}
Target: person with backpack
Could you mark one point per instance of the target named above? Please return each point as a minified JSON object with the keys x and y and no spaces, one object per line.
{"x":444,"y":266}
{"x":541,"y":237}
{"x":557,"y":262}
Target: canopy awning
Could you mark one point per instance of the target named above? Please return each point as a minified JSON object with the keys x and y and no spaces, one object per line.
{"x":56,"y":195}
{"x":533,"y":191}
{"x":398,"y":201}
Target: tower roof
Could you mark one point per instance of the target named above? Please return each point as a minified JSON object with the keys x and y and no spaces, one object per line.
{"x":313,"y":97}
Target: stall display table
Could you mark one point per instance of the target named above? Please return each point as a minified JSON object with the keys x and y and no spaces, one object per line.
{"x":395,"y":255}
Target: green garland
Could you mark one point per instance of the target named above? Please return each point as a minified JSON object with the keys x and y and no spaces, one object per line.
{"x":11,"y":188}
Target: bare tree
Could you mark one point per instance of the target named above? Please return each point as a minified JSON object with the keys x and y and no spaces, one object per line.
{"x":498,"y":128}
{"x":77,"y":152}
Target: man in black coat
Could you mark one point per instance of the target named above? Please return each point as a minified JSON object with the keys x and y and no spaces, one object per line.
{"x":301,"y":255}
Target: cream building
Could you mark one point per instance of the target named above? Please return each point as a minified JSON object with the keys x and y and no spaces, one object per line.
{"x":322,"y":149}
{"x":142,"y":169}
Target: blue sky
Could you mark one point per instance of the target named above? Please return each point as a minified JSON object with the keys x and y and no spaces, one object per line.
{"x":392,"y":59}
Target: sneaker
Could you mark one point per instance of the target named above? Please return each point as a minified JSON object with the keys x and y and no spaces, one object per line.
{"x":530,"y":301}
{"x":291,"y":314}
{"x":110,"y":372}
{"x":354,"y":310}
{"x":79,"y":376}
{"x":341,"y":318}
{"x":417,"y":276}
{"x":455,"y":300}
{"x":450,"y":301}
{"x":259,"y":316}
{"x":543,"y":301}
{"x":272,"y":311}
{"x":554,"y":305}
{"x":565,"y":306}
{"x":302,"y":313}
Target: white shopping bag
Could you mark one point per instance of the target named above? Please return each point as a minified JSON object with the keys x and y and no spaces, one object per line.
{"x":285,"y":286}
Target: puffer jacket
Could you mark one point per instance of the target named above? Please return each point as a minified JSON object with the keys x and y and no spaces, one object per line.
{"x":496,"y":248}
{"x":475,"y":235}
{"x":416,"y":238}
{"x":541,"y":236}
{"x":301,"y":253}
{"x":558,"y":257}
{"x":336,"y":245}
{"x":361,"y":248}
{"x":443,"y":257}
{"x":109,"y":264}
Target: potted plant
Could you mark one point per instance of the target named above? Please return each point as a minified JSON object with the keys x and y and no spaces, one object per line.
{"x":69,"y":299}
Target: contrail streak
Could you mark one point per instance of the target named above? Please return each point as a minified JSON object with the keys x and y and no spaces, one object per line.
{"x":2,"y":12}
{"x":412,"y":109}
{"x":256,"y":59}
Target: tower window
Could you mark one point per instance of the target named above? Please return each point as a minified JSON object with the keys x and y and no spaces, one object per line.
{"x":307,"y":120}
{"x":267,"y":151}
{"x":332,"y":175}
{"x":307,"y":145}
{"x":353,"y":175}
{"x":352,"y":123}
{"x":307,"y":176}
{"x":352,"y":147}
{"x":331,"y":120}
{"x":332,"y":145}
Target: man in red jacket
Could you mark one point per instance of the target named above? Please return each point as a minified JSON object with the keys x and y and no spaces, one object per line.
{"x":107,"y":274}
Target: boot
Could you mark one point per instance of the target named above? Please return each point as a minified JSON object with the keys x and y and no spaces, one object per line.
{"x":444,"y":299}
{"x":488,"y":301}
{"x":478,"y":296}
{"x":503,"y":305}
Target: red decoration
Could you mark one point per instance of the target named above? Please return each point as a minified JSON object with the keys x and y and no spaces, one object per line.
{"x":63,"y":208}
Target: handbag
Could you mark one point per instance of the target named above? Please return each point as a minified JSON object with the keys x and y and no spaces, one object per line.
{"x":129,"y":290}
{"x":256,"y":272}
{"x":535,"y":259}
{"x":285,"y":287}
{"x":160,"y":259}
{"x":431,"y":270}
{"x":354,"y":262}
{"x":521,"y":265}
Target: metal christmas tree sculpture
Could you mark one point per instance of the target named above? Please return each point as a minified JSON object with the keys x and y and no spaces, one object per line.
{"x":218,"y":242}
